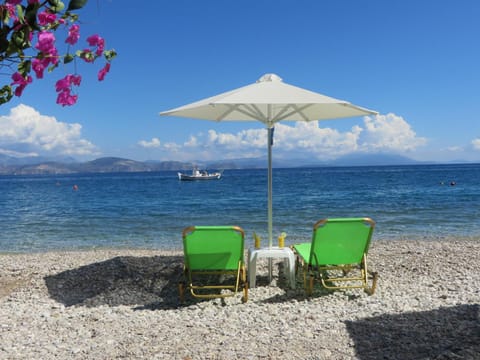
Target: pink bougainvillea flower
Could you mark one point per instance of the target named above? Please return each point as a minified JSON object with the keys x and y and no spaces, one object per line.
{"x":31,"y":2}
{"x":97,"y":41}
{"x":75,"y":79}
{"x":93,"y":40}
{"x":63,"y":87}
{"x":10,"y":9}
{"x":65,"y":98}
{"x":46,"y":42}
{"x":46,"y":17}
{"x":21,"y":81}
{"x":103,"y":72}
{"x":53,"y":56}
{"x":38,"y":66}
{"x":14,"y":2}
{"x":73,"y":35}
{"x":100,"y":47}
{"x":62,"y":84}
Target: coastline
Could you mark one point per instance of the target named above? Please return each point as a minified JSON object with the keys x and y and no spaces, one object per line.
{"x":122,"y":303}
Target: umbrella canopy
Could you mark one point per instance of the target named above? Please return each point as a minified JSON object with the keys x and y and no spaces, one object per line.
{"x":269,"y":100}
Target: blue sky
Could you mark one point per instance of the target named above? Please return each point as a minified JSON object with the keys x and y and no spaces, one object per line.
{"x":415,"y":62}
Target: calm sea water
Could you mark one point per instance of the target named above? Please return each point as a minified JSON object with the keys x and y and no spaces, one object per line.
{"x":150,"y":210}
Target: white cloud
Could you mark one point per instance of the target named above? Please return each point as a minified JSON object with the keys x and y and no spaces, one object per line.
{"x":476,"y":144}
{"x":381,"y":133}
{"x":17,"y":154}
{"x":311,"y":138}
{"x":172,"y":147}
{"x":25,"y":131}
{"x":192,"y":142}
{"x":454,"y":148}
{"x":154,"y":143}
{"x":243,"y":140}
{"x":389,"y":133}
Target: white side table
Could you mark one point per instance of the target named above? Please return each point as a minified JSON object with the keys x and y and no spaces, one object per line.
{"x":274,"y":252}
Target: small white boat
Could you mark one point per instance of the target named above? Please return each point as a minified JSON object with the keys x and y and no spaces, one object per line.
{"x":200,"y":175}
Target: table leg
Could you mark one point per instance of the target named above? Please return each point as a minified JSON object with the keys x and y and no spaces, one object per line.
{"x":291,"y":270}
{"x":252,"y":270}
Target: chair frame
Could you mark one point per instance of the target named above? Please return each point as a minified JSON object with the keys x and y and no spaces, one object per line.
{"x":313,"y":270}
{"x":239,"y":273}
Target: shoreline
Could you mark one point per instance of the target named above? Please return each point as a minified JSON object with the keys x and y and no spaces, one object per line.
{"x":122,"y":303}
{"x":248,"y":244}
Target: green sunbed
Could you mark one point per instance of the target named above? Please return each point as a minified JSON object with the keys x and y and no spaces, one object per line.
{"x":214,"y":251}
{"x":337,"y":255}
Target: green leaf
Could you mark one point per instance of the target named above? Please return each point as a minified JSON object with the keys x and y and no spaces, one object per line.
{"x":24,"y":67}
{"x":11,"y":49}
{"x":5,"y":16}
{"x":31,"y":16}
{"x":20,"y":14}
{"x":59,"y":6}
{"x":18,"y":39}
{"x":86,"y":55}
{"x":53,"y":2}
{"x":5,"y":94}
{"x":109,"y":54}
{"x":76,"y":4}
{"x":68,"y":58}
{"x":3,"y":39}
{"x":52,"y":67}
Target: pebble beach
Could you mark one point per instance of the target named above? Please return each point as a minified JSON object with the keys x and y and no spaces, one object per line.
{"x":123,"y":304}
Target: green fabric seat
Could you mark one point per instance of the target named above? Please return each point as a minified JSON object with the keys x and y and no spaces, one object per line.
{"x":337,"y":254}
{"x":211,"y":252}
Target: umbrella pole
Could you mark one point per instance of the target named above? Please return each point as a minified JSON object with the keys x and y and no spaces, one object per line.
{"x":270,"y":207}
{"x":270,"y":217}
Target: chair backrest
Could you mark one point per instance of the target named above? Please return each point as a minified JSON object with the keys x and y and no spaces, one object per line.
{"x":340,"y":241}
{"x":213,"y":247}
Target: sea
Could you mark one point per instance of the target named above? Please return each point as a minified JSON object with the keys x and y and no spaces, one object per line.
{"x":150,"y":210}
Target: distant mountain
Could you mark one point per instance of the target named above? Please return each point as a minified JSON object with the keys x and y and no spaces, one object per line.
{"x":102,"y":165}
{"x":242,"y":163}
{"x":37,"y":169}
{"x":112,"y":164}
{"x":169,"y":165}
{"x":348,"y":160}
{"x":6,"y":160}
{"x":372,"y":160}
{"x":12,"y":166}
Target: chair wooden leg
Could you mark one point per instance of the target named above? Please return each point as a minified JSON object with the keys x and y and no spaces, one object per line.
{"x":245,"y":293}
{"x":245,"y":285}
{"x":310,"y":285}
{"x":371,"y":290}
{"x":305,"y":285}
{"x":181,"y":291}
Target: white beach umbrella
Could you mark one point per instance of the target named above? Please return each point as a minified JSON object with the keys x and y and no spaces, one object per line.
{"x":269,"y":100}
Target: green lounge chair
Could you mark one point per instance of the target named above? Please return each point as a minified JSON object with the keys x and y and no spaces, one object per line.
{"x":213,"y":250}
{"x":337,"y":255}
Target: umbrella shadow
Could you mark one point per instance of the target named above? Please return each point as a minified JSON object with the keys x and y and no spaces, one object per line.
{"x":123,"y":280}
{"x":445,"y":333}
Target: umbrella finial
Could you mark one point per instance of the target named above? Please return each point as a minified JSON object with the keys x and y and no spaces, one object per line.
{"x":269,"y":77}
